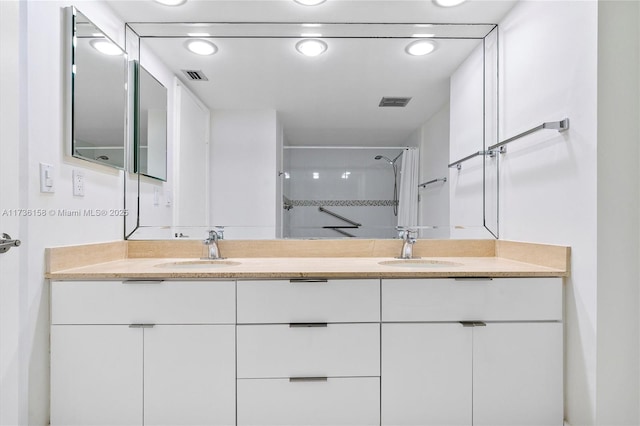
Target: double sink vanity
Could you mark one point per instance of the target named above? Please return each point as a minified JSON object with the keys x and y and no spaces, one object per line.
{"x":307,"y":332}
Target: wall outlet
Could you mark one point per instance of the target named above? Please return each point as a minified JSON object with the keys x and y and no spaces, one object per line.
{"x":78,"y":183}
{"x":46,"y":178}
{"x":156,"y":196}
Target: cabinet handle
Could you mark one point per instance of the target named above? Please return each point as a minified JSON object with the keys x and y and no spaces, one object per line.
{"x":473,"y":279}
{"x":141,"y":325}
{"x":307,"y":324}
{"x":308,"y":280}
{"x":307,"y":379}
{"x":142,"y":281}
{"x":473,"y":324}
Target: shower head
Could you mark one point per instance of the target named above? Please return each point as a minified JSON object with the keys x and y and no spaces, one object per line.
{"x":390,"y":161}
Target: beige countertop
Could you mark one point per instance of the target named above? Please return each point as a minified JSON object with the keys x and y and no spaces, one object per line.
{"x":292,"y":267}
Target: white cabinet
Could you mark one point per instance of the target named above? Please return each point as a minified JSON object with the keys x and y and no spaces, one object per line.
{"x":151,"y":371}
{"x":475,"y":363}
{"x":308,"y":352}
{"x":96,"y":375}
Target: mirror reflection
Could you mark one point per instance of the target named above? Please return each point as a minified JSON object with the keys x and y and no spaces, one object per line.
{"x":281,"y":114}
{"x":99,"y":95}
{"x":150,"y":156}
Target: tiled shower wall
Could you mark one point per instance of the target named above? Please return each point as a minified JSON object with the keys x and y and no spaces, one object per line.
{"x":349,"y":182}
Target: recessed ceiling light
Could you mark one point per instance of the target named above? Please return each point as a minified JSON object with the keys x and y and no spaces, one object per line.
{"x":310,"y":2}
{"x":448,"y":3}
{"x":106,"y":47}
{"x":311,"y":47}
{"x":420,"y":47}
{"x":201,"y":47}
{"x":311,"y":35}
{"x":171,"y":2}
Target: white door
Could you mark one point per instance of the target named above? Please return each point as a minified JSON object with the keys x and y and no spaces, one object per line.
{"x":517,"y":374}
{"x":13,"y":409}
{"x":189,"y":375}
{"x":426,"y":374}
{"x":96,"y":375}
{"x":191,"y":166}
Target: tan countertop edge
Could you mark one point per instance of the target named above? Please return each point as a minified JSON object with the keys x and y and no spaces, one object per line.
{"x":307,"y":259}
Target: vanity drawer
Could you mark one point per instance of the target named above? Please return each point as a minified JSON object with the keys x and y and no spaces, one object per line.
{"x":335,"y":402}
{"x":287,"y":301}
{"x":143,"y":302}
{"x":326,"y":350}
{"x":498,"y":299}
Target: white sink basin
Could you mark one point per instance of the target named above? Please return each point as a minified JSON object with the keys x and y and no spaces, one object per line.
{"x":199,"y":264}
{"x":419,"y":263}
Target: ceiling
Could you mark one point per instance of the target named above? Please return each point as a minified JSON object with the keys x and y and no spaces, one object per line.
{"x":327,"y":100}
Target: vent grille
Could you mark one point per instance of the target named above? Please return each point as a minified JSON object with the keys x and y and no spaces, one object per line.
{"x":195,"y":75}
{"x":394,"y":102}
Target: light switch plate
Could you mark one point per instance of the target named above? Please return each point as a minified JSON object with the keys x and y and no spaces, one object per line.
{"x":46,"y":178}
{"x":78,"y":183}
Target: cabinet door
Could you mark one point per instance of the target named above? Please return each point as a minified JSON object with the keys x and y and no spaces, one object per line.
{"x":96,"y":375}
{"x":189,"y":375}
{"x":426,"y":374}
{"x":517,"y":374}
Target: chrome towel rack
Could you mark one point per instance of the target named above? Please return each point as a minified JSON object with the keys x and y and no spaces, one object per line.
{"x":560,"y":126}
{"x":424,"y":185}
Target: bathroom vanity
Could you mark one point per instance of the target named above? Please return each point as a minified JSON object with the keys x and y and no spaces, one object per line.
{"x":472,"y":335}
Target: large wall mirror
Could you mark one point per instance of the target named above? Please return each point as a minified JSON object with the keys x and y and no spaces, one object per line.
{"x":150,"y":142}
{"x":98,"y":85}
{"x":342,"y":123}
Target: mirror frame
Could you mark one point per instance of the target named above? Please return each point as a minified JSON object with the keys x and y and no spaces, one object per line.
{"x":490,"y":106}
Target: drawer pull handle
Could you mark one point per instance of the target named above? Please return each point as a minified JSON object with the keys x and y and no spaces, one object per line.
{"x":473,"y":279}
{"x":307,"y":379}
{"x":307,"y":324}
{"x":473,"y":324}
{"x":141,"y":325}
{"x":308,"y":280}
{"x":142,"y":281}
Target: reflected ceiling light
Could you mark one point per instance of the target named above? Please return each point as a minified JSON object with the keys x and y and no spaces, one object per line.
{"x":311,"y":47}
{"x":310,"y":2}
{"x":311,"y":25}
{"x":201,"y":47}
{"x":171,"y":2}
{"x":420,"y":47}
{"x":422,"y":35}
{"x":106,"y":47}
{"x":199,"y":34}
{"x":448,"y":3}
{"x":311,"y":35}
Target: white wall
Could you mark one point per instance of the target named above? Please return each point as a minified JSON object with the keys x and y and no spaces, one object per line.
{"x":244,"y":171}
{"x":434,"y":158}
{"x":46,"y":142}
{"x":618,"y":326}
{"x":548,"y":180}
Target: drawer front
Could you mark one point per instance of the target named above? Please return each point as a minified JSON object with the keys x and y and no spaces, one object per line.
{"x":283,"y":351}
{"x":285,"y":301}
{"x":335,"y":402}
{"x":152,"y":302}
{"x":499,"y":299}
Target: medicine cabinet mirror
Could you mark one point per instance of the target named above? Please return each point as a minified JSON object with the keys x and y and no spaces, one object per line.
{"x":98,"y":93}
{"x":150,"y":142}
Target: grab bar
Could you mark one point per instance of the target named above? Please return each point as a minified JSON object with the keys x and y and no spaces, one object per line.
{"x":424,"y":185}
{"x":560,"y":126}
{"x":336,"y":215}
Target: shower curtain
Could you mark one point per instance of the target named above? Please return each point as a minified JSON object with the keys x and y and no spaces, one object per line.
{"x":408,"y":196}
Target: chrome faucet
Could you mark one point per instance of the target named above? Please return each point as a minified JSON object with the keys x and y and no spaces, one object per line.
{"x":212,"y":244}
{"x":408,"y":240}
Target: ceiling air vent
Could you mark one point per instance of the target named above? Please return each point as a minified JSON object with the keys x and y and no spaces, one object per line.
{"x":394,"y":102}
{"x":195,"y":75}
